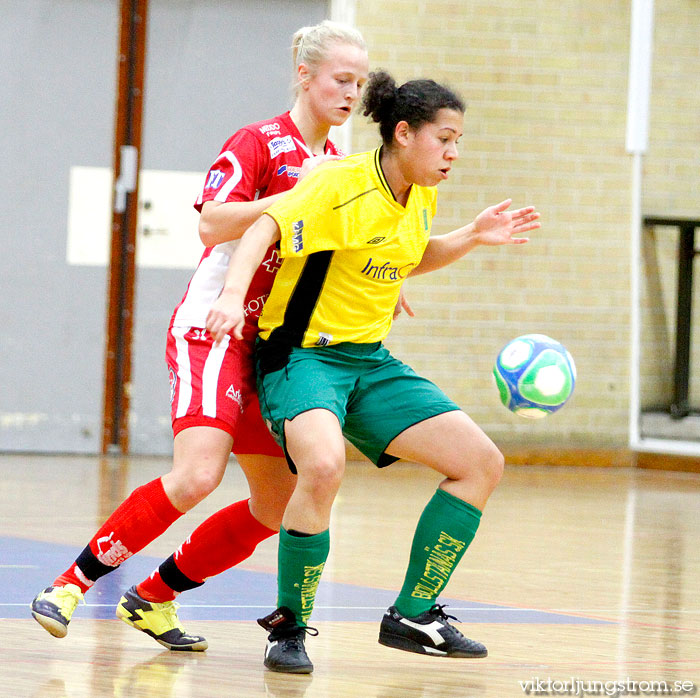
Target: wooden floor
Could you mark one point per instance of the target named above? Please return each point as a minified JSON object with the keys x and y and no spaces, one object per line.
{"x":577,"y":574}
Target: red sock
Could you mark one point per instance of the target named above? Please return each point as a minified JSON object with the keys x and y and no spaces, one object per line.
{"x":138,"y":520}
{"x":222,"y":541}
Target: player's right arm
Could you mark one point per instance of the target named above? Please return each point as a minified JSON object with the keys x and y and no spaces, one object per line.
{"x":221,"y":221}
{"x":228,"y":313}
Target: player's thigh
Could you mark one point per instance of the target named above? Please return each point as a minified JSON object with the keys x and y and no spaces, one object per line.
{"x":201,"y":449}
{"x":208,"y":380}
{"x":389,"y":399}
{"x":200,"y":456}
{"x":251,"y":435}
{"x":309,"y":391}
{"x":451,"y":443}
{"x":271,"y":485}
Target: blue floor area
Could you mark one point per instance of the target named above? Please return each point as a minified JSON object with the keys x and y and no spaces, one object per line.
{"x":27,"y":566}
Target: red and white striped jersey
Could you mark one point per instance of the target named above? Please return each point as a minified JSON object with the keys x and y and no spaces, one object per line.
{"x":259,"y":160}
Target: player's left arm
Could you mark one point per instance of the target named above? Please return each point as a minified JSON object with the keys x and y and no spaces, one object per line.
{"x":493,"y":226}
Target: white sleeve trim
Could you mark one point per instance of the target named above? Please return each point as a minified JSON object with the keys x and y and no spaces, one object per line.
{"x":235,"y":178}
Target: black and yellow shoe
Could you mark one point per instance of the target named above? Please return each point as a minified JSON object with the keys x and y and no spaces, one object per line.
{"x":53,"y":608}
{"x":160,"y":621}
{"x":428,"y":633}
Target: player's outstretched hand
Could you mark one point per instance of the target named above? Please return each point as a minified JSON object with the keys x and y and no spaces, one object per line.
{"x":498,"y":226}
{"x":226,"y":314}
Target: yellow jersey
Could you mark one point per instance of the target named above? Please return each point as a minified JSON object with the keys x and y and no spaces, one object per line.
{"x":347,"y":246}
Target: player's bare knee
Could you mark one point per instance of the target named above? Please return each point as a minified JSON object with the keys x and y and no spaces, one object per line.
{"x":497,"y":466}
{"x":491,"y":465}
{"x":322,"y":476}
{"x":198,"y":485}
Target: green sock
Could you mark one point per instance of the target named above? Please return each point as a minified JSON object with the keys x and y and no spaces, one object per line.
{"x":446,"y":528}
{"x":300,"y":562}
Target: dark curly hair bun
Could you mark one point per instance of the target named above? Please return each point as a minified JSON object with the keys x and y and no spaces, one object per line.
{"x":416,"y":102}
{"x":380,"y":96}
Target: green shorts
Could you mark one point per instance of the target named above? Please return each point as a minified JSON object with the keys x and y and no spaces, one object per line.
{"x":374,"y":396}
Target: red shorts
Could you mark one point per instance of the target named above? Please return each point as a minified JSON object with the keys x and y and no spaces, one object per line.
{"x":215,"y":386}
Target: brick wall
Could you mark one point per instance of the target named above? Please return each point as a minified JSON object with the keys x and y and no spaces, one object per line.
{"x":546,"y":87}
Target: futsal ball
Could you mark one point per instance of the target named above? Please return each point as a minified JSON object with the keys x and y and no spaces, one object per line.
{"x":535,"y":375}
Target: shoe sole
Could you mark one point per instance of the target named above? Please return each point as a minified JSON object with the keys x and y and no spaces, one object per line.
{"x":51,"y":625}
{"x":301,"y":669}
{"x":399,"y":642}
{"x":196,"y":647}
{"x":125,"y":616}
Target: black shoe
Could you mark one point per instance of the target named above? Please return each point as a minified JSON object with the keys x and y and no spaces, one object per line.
{"x":428,"y":633}
{"x":285,"y":650}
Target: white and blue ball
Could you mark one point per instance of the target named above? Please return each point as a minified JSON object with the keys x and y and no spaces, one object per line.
{"x":535,"y":375}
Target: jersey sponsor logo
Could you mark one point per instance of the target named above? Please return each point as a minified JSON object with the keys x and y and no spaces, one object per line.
{"x":426,"y":225}
{"x":235,"y":395}
{"x":173,"y":384}
{"x":278,"y":146}
{"x":377,"y":240}
{"x":255,"y":305}
{"x":273,"y":262}
{"x":386,"y":271}
{"x":197,"y":335}
{"x":216,"y":177}
{"x":324,"y":339}
{"x":289,"y":170}
{"x":298,"y":236}
{"x":269,"y":129}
